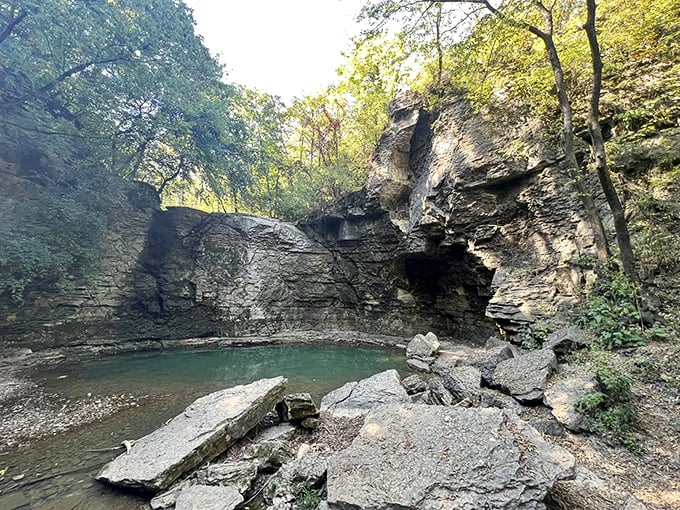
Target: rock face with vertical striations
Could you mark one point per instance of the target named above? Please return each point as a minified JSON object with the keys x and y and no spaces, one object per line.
{"x":201,"y":432}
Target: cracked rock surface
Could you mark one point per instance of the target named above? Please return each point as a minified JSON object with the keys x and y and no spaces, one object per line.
{"x":412,"y":456}
{"x":202,"y":431}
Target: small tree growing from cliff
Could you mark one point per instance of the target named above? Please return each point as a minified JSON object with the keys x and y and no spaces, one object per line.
{"x":526,"y":15}
{"x":546,"y":34}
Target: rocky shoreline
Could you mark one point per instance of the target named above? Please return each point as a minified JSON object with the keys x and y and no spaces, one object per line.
{"x":382,"y":433}
{"x":28,"y":412}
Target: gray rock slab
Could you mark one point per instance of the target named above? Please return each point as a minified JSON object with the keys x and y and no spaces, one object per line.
{"x":206,"y":497}
{"x":296,"y":407}
{"x":526,"y":377}
{"x":563,"y":394}
{"x":237,"y":475}
{"x":437,"y":394}
{"x":358,"y":398}
{"x":417,"y":457}
{"x":201,"y":432}
{"x":414,"y":384}
{"x":586,"y":491}
{"x":488,"y":362}
{"x":463,"y":382}
{"x":420,"y":365}
{"x":566,"y":339}
{"x":305,"y":471}
{"x":168,"y":498}
{"x":423,"y":346}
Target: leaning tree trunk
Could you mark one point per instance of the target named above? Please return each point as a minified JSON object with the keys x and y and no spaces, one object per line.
{"x":599,"y":154}
{"x":599,"y":235}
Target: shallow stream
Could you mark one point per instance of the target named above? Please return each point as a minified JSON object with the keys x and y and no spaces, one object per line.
{"x":58,"y":471}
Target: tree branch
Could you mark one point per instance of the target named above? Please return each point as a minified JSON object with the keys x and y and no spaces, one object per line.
{"x":12,"y":25}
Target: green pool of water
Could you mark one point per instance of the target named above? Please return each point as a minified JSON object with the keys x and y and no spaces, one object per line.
{"x":162,"y":384}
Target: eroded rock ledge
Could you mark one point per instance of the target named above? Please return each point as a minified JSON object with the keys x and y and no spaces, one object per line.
{"x":467,"y":223}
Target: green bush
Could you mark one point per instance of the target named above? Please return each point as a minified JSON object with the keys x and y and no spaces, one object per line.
{"x":609,"y":411}
{"x":611,"y":311}
{"x":49,"y":239}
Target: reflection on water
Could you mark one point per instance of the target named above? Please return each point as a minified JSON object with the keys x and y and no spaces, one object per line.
{"x":166,"y":382}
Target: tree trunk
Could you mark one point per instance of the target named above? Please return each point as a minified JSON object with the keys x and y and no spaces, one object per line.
{"x":599,"y":235}
{"x":599,"y":154}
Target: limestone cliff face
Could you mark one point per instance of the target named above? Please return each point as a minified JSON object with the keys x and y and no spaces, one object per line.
{"x":465,"y":224}
{"x":493,"y":190}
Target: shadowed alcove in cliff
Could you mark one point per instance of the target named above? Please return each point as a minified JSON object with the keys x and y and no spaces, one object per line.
{"x":454,"y":284}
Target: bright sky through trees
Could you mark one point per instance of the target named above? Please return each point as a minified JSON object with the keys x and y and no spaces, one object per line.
{"x":284,"y":48}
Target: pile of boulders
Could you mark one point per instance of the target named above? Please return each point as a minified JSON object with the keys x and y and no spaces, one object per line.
{"x":455,"y":437}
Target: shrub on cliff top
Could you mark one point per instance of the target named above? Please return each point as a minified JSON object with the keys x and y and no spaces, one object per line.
{"x":48,"y":241}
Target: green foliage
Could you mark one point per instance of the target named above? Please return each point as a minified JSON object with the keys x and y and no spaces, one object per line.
{"x":653,"y":226}
{"x":125,"y":86}
{"x":308,"y":499}
{"x":611,"y":311}
{"x":532,"y":337}
{"x":609,"y":412}
{"x":47,"y":240}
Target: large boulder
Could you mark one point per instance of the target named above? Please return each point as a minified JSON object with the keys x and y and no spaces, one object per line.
{"x":563,"y":394}
{"x":526,"y":377}
{"x":566,"y":339}
{"x":358,"y":398}
{"x":417,"y":457}
{"x":423,"y":347}
{"x":201,"y":432}
{"x":463,"y":382}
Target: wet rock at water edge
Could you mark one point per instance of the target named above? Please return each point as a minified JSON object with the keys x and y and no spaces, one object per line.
{"x":358,"y":398}
{"x":201,"y":432}
{"x":416,"y":457}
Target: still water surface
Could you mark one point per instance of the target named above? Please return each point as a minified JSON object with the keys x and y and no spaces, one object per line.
{"x":163,"y":384}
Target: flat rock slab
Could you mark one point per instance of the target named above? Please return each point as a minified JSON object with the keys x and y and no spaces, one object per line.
{"x":204,"y":430}
{"x":358,"y":398}
{"x":526,"y":377}
{"x":418,"y":457}
{"x":563,"y":395}
{"x":206,"y":497}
